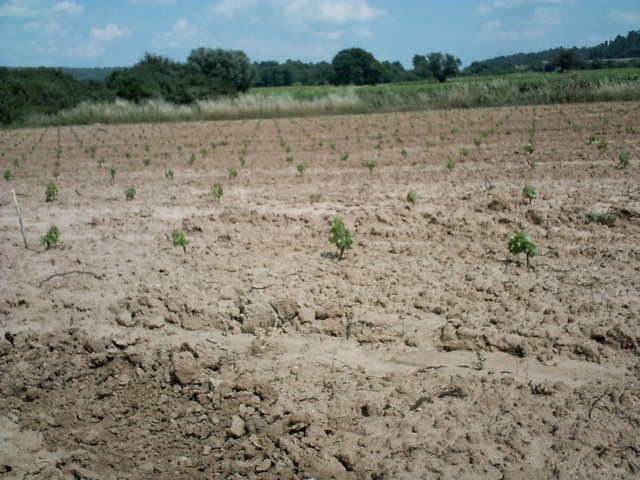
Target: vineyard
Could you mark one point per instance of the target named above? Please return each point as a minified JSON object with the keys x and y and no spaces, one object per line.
{"x":189,"y":316}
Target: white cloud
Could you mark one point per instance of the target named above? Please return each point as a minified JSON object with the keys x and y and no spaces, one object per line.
{"x":514,"y":20}
{"x":231,"y":8}
{"x":68,"y":7}
{"x":98,"y":38}
{"x":492,"y":30}
{"x":85,"y":52}
{"x":546,"y":17}
{"x":181,"y":33}
{"x":142,"y":2}
{"x":495,"y":5}
{"x":18,"y":9}
{"x":333,"y":11}
{"x":625,"y":17}
{"x":108,"y":33}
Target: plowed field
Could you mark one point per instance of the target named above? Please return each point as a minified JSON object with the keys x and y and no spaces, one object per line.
{"x":428,"y":351}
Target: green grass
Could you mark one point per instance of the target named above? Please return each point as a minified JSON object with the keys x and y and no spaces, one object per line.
{"x":278,"y":102}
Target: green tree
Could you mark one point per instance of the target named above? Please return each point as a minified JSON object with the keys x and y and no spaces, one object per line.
{"x":155,"y":76}
{"x":443,"y":66}
{"x":566,"y":61}
{"x":355,"y":66}
{"x":231,"y":68}
{"x":420,"y":66}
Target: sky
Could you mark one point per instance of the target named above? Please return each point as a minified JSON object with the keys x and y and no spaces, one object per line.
{"x":117,"y":33}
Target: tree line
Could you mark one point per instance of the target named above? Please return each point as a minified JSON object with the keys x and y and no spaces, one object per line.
{"x":207,"y":73}
{"x":618,"y":53}
{"x":210,"y":73}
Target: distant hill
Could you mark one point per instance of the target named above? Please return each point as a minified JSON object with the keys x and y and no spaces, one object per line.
{"x":627,"y":48}
{"x":96,"y":73}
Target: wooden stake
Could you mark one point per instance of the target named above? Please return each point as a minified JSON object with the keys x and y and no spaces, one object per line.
{"x":24,"y":236}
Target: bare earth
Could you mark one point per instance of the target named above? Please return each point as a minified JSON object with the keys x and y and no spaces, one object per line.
{"x":429,"y":351}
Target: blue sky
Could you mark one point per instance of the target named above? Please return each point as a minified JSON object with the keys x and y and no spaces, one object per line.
{"x":104,"y":33}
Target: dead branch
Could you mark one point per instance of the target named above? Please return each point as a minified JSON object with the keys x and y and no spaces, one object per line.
{"x":79,"y":272}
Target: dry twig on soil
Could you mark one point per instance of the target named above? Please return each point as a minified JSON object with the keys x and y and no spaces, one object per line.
{"x":68,"y":273}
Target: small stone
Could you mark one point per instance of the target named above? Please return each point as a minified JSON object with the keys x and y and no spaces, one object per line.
{"x":124,"y":319}
{"x":263,"y":466}
{"x":306,"y":315}
{"x":237,"y":427}
{"x":330,"y":310}
{"x":411,"y":342}
{"x":29,"y":441}
{"x":32,"y":393}
{"x":535,"y":306}
{"x":153,"y":323}
{"x":186,"y":369}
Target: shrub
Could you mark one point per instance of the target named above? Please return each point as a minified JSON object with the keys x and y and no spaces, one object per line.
{"x":371,"y":164}
{"x":602,"y":145}
{"x":169,"y":174}
{"x":340,"y":236}
{"x":112,"y":171}
{"x":464,"y":152}
{"x":233,"y":173}
{"x":532,"y":164}
{"x":404,"y":152}
{"x":529,"y":193}
{"x":477,"y":142}
{"x":146,"y":161}
{"x":51,"y":237}
{"x":344,"y":156}
{"x":7,"y":175}
{"x":529,"y":148}
{"x":450,"y":165}
{"x":217,"y":191}
{"x":100,"y":161}
{"x":51,"y":191}
{"x":130,"y":193}
{"x":623,"y":160}
{"x":521,"y":243}
{"x":179,"y":240}
{"x":192,"y":159}
{"x":314,"y":197}
{"x":412,"y":197}
{"x":290,"y":159}
{"x":301,"y":168}
{"x":607,"y":219}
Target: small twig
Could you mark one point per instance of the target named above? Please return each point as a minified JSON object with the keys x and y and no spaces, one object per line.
{"x":595,"y":403}
{"x":275,"y":327}
{"x":68,"y":273}
{"x":555,"y":269}
{"x":24,"y":236}
{"x":577,"y":284}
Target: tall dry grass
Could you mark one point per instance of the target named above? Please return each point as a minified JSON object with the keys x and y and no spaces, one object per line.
{"x":309,"y":101}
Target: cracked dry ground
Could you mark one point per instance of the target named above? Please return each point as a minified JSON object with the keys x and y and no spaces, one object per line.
{"x":429,"y":351}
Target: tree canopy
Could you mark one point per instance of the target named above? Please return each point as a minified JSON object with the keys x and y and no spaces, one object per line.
{"x":207,"y":73}
{"x":355,"y":66}
{"x":231,"y":68}
{"x":436,"y":65}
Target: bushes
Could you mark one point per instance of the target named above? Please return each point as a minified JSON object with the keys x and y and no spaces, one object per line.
{"x":43,"y":91}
